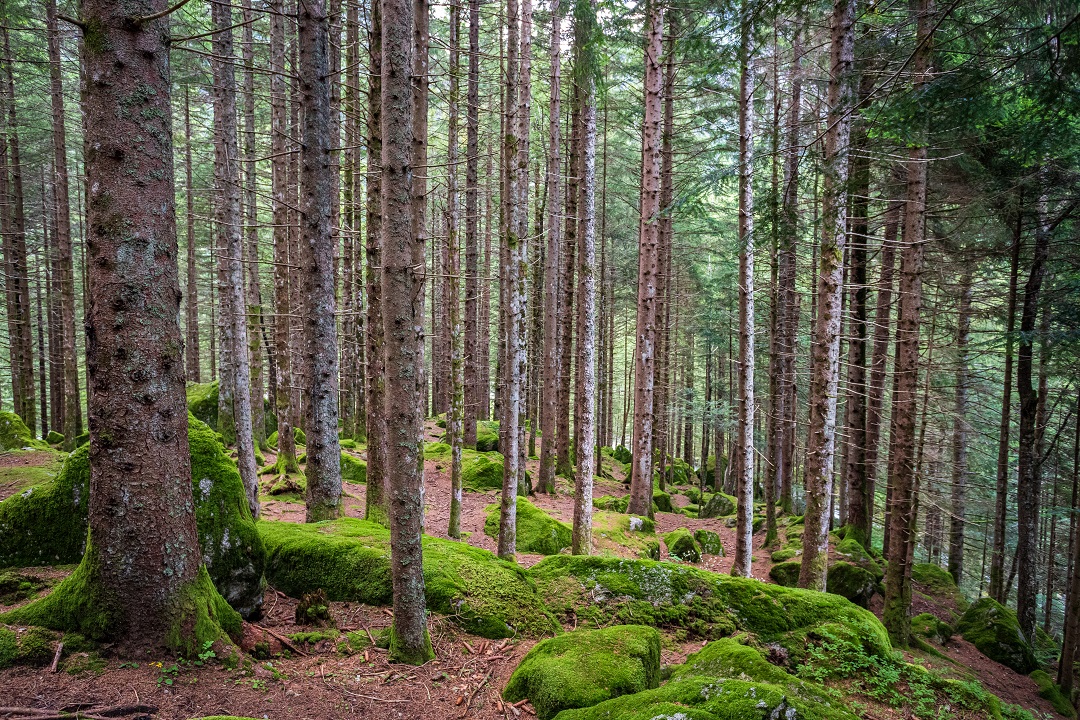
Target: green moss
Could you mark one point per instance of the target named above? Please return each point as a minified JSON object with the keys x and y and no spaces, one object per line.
{"x":82,"y":438}
{"x":9,"y":647}
{"x":487,"y":435}
{"x":786,"y":573}
{"x":54,"y":438}
{"x":709,"y":541}
{"x":1047,"y":650}
{"x":662,"y":501}
{"x":935,"y":579}
{"x":16,"y":586}
{"x":699,"y":603}
{"x":928,"y":626}
{"x":285,"y":485}
{"x":315,"y":636}
{"x":350,"y":560}
{"x":854,"y":553}
{"x":719,"y":505}
{"x":410,"y":655}
{"x":995,"y":631}
{"x":783,"y":555}
{"x":14,"y":435}
{"x":46,"y":525}
{"x":537,"y":532}
{"x":681,"y":544}
{"x":347,"y":444}
{"x":622,"y":455}
{"x":611,"y":503}
{"x":200,"y":616}
{"x":353,"y":642}
{"x":202,"y":402}
{"x":853,"y":582}
{"x":481,"y":471}
{"x":298,"y":437}
{"x":37,"y":646}
{"x":353,"y":469}
{"x":586,"y":667}
{"x":1048,"y":690}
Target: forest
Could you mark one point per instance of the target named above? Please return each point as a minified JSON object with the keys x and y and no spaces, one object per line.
{"x":584,"y":360}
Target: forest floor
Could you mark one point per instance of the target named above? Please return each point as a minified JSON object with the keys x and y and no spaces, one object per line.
{"x":314,"y":680}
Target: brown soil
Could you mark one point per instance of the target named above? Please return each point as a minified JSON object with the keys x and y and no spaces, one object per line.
{"x":464,"y":680}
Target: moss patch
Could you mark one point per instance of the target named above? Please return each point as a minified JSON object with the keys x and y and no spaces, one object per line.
{"x":854,"y":553}
{"x":481,"y":471}
{"x":850,"y":581}
{"x":718,"y":505}
{"x":537,"y":532}
{"x":615,"y":533}
{"x":350,"y":560}
{"x":783,"y":555}
{"x":586,"y":667}
{"x":14,"y":435}
{"x":16,"y":586}
{"x":611,"y":503}
{"x":46,"y":525}
{"x":709,"y":542}
{"x":928,"y":626}
{"x":786,"y":573}
{"x":353,"y":469}
{"x":202,"y":402}
{"x":662,"y":501}
{"x":995,"y":631}
{"x":681,"y":544}
{"x":1048,"y":690}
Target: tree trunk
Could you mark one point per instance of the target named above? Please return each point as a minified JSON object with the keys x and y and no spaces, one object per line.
{"x":286,"y":458}
{"x":352,"y":421}
{"x":1070,"y":643}
{"x":192,"y":300}
{"x":473,"y":390}
{"x":960,"y":434}
{"x":821,"y":441}
{"x":903,"y":477}
{"x":455,"y":417}
{"x":585,"y":67}
{"x":62,"y":238}
{"x":227,"y":181}
{"x":142,"y":569}
{"x":1029,"y":457}
{"x":641,"y":482}
{"x":563,"y":465}
{"x":402,"y":277}
{"x":549,"y":407}
{"x":744,"y":459}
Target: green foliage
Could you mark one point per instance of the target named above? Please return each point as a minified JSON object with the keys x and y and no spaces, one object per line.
{"x":681,"y":544}
{"x":586,"y":667}
{"x":47,"y":523}
{"x":537,"y":532}
{"x":350,"y":560}
{"x":995,"y":631}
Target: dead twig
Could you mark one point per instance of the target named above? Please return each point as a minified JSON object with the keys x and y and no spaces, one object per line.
{"x":468,"y":702}
{"x":56,"y":657}
{"x":283,"y":640}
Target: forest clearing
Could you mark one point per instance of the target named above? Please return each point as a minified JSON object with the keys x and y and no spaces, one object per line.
{"x":580,"y":360}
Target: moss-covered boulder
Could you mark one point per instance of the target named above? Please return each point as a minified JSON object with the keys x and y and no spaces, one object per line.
{"x":353,"y":469}
{"x":662,"y":501}
{"x":54,"y":438}
{"x":930,"y":627}
{"x":14,"y":435}
{"x":851,"y":551}
{"x":1048,"y":690}
{"x":616,"y":533}
{"x":681,"y":544}
{"x":709,"y":542}
{"x":786,"y":573}
{"x":350,"y":560}
{"x":622,"y":455}
{"x":46,"y":524}
{"x":719,"y":505}
{"x":586,"y":667}
{"x":612,"y":503}
{"x":850,"y":581}
{"x":487,"y":435}
{"x":995,"y":631}
{"x":34,"y":646}
{"x":698,"y":603}
{"x":481,"y":471}
{"x":783,"y":555}
{"x":537,"y":532}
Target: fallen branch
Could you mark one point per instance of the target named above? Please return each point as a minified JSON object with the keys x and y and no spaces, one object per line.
{"x":56,"y":657}
{"x":468,"y":702}
{"x":284,"y":641}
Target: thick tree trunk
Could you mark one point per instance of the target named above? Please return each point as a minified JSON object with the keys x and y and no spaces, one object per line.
{"x":744,"y":458}
{"x":142,"y":561}
{"x":903,"y":476}
{"x":402,"y":277}
{"x":317,"y":244}
{"x":549,"y":398}
{"x":821,"y":442}
{"x":352,"y":424}
{"x":62,"y":238}
{"x":474,"y":394}
{"x":563,"y":465}
{"x":641,"y":482}
{"x":1029,"y":457}
{"x":455,"y":417}
{"x":191,"y":326}
{"x":279,"y":145}
{"x":1070,"y":643}
{"x":229,"y":220}
{"x":957,"y":519}
{"x":998,"y":589}
{"x":585,"y":65}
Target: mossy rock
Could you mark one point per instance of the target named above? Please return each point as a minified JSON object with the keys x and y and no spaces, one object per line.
{"x":14,"y":435}
{"x":537,"y":532}
{"x":298,"y":437}
{"x":586,"y":667}
{"x":487,"y":435}
{"x":623,"y":455}
{"x":855,"y":554}
{"x":615,"y":533}
{"x":54,"y":438}
{"x":202,"y":402}
{"x":995,"y":631}
{"x":33,"y":646}
{"x":353,"y":469}
{"x":1048,"y":690}
{"x":934,"y":578}
{"x":698,"y":603}
{"x":16,"y":586}
{"x":350,"y":560}
{"x":481,"y":471}
{"x":786,"y":573}
{"x":694,"y":495}
{"x":928,"y":626}
{"x":681,"y":544}
{"x":290,"y":484}
{"x":46,"y":525}
{"x":436,"y":450}
{"x":82,"y":438}
{"x":662,"y":501}
{"x":719,"y":505}
{"x":611,"y":503}
{"x":783,"y":555}
{"x":1047,"y":650}
{"x":709,"y":542}
{"x":853,"y":582}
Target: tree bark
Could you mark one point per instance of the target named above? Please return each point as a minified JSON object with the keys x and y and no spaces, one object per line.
{"x":455,"y":417}
{"x":229,"y":219}
{"x":821,"y":442}
{"x":957,"y":519}
{"x":641,"y":481}
{"x":1070,"y":642}
{"x":192,"y":300}
{"x":473,"y":390}
{"x":402,"y":278}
